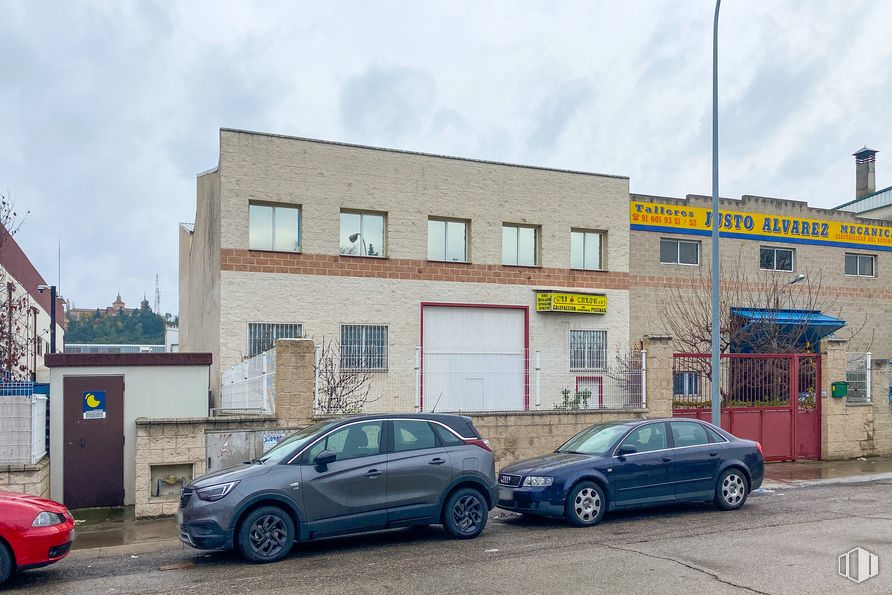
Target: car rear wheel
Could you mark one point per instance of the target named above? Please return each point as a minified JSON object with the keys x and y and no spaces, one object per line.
{"x":266,"y":535}
{"x":586,"y":504}
{"x":5,"y":563}
{"x":731,"y":490}
{"x":465,"y":514}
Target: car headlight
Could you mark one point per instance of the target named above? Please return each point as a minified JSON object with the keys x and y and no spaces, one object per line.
{"x":217,"y":492}
{"x":47,"y":519}
{"x":537,"y":482}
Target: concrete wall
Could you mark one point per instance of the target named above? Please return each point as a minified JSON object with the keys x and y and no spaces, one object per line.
{"x":174,"y":442}
{"x":27,"y":479}
{"x":199,"y":287}
{"x":150,"y":391}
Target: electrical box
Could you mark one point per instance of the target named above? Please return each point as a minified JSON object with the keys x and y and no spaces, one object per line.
{"x":839,"y":389}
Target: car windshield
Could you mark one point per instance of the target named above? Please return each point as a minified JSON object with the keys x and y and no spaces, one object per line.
{"x":284,"y":448}
{"x":596,"y":440}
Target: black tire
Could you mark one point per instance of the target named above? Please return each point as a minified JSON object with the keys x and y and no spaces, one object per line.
{"x":465,"y":514}
{"x":266,"y":535}
{"x":731,"y":489}
{"x":586,"y":504}
{"x":6,"y":563}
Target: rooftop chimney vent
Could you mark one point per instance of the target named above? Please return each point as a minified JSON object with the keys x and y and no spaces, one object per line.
{"x":865,"y":171}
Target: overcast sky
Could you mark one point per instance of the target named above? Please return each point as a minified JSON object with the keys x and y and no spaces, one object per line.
{"x":108,"y":110}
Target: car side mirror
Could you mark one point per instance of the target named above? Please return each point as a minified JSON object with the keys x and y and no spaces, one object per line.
{"x":626,"y":449}
{"x":324,"y":459}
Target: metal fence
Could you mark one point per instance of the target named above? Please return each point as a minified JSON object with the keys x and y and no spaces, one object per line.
{"x":858,"y":377}
{"x":250,"y":386}
{"x":23,"y":419}
{"x":415,"y":380}
{"x":764,"y":380}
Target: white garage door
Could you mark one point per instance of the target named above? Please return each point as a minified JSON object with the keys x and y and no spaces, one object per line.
{"x":474,"y":358}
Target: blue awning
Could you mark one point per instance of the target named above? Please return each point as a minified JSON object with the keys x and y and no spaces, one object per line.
{"x":817,"y":325}
{"x":809,"y":317}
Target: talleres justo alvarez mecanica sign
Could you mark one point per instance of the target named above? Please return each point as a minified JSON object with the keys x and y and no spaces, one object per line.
{"x":662,"y":218}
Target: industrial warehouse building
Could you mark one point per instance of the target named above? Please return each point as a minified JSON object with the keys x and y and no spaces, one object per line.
{"x":442,"y":280}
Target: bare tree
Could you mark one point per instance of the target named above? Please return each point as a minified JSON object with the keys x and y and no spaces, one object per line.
{"x":686,"y":316}
{"x":342,"y":388}
{"x":16,"y":314}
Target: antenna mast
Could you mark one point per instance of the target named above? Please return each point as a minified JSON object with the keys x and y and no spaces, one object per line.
{"x":157,"y":295}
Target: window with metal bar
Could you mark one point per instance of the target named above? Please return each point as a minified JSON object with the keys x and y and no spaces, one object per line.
{"x":585,"y":250}
{"x":679,"y":252}
{"x":776,"y":259}
{"x":364,"y":347}
{"x":262,"y":336}
{"x":520,"y":245}
{"x":686,"y":384}
{"x":588,"y":350}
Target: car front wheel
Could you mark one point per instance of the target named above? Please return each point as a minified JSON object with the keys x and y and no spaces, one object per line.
{"x":465,"y":514}
{"x":5,"y":563}
{"x":731,"y":489}
{"x":586,"y":504}
{"x":266,"y":535}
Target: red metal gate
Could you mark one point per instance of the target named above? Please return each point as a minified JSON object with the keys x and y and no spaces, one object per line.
{"x":772,"y":398}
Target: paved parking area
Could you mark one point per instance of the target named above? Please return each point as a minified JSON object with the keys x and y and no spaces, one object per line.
{"x":782,"y":541}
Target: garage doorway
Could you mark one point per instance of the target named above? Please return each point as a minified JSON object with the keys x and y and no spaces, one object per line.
{"x":474,"y":357}
{"x":93,"y":455}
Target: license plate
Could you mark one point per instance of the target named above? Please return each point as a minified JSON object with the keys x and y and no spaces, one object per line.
{"x":506,"y":494}
{"x":179,"y":517}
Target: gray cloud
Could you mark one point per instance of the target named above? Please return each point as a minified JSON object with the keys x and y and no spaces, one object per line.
{"x":385,"y":103}
{"x":109,"y":110}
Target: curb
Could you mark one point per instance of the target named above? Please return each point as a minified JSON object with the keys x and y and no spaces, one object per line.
{"x":127,"y":549}
{"x":777,"y":484}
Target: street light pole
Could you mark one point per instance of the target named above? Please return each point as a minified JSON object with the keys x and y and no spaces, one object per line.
{"x":52,"y":288}
{"x":716,"y":396}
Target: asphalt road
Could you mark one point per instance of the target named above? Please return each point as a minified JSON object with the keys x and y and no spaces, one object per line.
{"x":780,"y":542}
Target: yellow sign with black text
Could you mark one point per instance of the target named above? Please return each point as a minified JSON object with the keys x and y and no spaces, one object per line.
{"x":583,"y":303}
{"x":665,"y":218}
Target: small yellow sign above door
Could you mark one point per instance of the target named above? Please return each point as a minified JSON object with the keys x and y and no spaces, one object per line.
{"x":582,"y":303}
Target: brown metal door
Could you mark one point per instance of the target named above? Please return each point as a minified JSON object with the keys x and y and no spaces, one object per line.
{"x":94,"y":441}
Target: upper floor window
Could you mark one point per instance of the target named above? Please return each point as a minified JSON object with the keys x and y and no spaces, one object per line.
{"x":262,"y":335}
{"x":679,"y":252}
{"x":273,"y":227}
{"x":447,"y":240}
{"x":776,"y":259}
{"x":520,"y":245}
{"x":861,"y":265}
{"x":585,"y":250}
{"x":588,"y":350}
{"x":362,"y":234}
{"x":363,"y":347}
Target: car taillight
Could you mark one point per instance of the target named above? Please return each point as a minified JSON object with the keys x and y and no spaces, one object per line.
{"x":759,"y":446}
{"x":484,"y":444}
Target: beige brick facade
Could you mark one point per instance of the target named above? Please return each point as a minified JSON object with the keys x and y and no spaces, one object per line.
{"x":27,"y":479}
{"x":224,"y":285}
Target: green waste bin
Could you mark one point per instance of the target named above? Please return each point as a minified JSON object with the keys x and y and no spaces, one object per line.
{"x":839,"y":389}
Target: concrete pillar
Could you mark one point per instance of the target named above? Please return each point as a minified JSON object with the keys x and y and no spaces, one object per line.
{"x":295,"y":382}
{"x":833,"y":411}
{"x":882,"y":408}
{"x":659,"y":375}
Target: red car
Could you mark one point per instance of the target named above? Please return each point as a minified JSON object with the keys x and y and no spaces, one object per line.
{"x":34,"y":532}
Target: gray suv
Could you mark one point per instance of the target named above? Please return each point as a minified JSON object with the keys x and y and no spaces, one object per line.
{"x":348,"y":475}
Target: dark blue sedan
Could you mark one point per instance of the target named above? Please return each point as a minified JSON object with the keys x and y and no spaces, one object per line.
{"x":633,"y":464}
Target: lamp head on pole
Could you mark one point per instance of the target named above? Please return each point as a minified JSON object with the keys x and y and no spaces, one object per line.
{"x":799,"y":279}
{"x":354,"y":236}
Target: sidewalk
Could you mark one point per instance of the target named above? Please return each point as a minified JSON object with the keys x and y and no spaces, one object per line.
{"x":807,"y":473}
{"x":114,"y":531}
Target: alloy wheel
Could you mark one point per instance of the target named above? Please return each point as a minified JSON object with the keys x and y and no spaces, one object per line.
{"x":587,"y":505}
{"x":467,"y":514}
{"x":268,"y":536}
{"x":733,"y":489}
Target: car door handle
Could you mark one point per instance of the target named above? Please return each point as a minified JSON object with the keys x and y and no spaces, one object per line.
{"x":713,"y":453}
{"x":373,"y":473}
{"x":667,"y":459}
{"x":437,"y":461}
